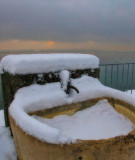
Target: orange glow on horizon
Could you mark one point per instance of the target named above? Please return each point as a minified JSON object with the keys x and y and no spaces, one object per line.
{"x":58,"y":45}
{"x":50,"y":43}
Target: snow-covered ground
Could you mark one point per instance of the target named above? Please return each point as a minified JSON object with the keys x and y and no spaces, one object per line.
{"x":7,"y":148}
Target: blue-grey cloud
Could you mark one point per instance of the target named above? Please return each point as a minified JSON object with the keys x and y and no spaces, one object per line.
{"x":69,"y":20}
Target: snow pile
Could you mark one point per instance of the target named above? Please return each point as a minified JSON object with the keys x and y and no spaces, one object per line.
{"x":65,"y":77}
{"x":100,"y":121}
{"x":37,"y":97}
{"x":7,"y":148}
{"x":41,"y":63}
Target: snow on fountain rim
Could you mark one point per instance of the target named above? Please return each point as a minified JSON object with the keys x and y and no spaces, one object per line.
{"x":42,"y":63}
{"x":100,"y":121}
{"x":38,"y":97}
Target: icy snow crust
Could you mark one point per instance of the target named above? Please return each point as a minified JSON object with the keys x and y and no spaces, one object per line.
{"x":39,"y":97}
{"x":42,"y":63}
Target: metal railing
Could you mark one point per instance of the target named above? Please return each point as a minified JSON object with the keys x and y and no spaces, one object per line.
{"x":118,"y":76}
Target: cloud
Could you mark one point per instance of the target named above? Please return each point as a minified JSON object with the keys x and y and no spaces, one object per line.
{"x":68,"y":21}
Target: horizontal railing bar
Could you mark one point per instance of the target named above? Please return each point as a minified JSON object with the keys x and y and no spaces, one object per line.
{"x":115,"y":64}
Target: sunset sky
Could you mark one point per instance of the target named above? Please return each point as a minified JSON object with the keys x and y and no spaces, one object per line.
{"x":67,"y":24}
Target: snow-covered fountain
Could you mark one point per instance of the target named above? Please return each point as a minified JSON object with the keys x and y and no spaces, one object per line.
{"x":60,"y":111}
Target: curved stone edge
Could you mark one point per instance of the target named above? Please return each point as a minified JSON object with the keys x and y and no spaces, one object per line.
{"x":121,"y":147}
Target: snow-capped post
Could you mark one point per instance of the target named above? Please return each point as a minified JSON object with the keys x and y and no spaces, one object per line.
{"x":66,"y":82}
{"x":23,"y":70}
{"x":64,"y":79}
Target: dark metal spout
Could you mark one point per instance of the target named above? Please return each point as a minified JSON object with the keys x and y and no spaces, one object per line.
{"x":66,"y":82}
{"x":69,"y":87}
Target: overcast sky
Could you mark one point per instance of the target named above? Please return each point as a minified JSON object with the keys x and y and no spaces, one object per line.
{"x":67,"y":23}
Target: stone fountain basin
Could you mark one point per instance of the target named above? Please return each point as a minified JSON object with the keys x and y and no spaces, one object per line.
{"x":120,"y":147}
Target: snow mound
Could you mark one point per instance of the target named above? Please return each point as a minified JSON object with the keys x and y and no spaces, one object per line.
{"x":100,"y":121}
{"x":42,"y":63}
{"x":39,"y":97}
{"x":7,"y":148}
